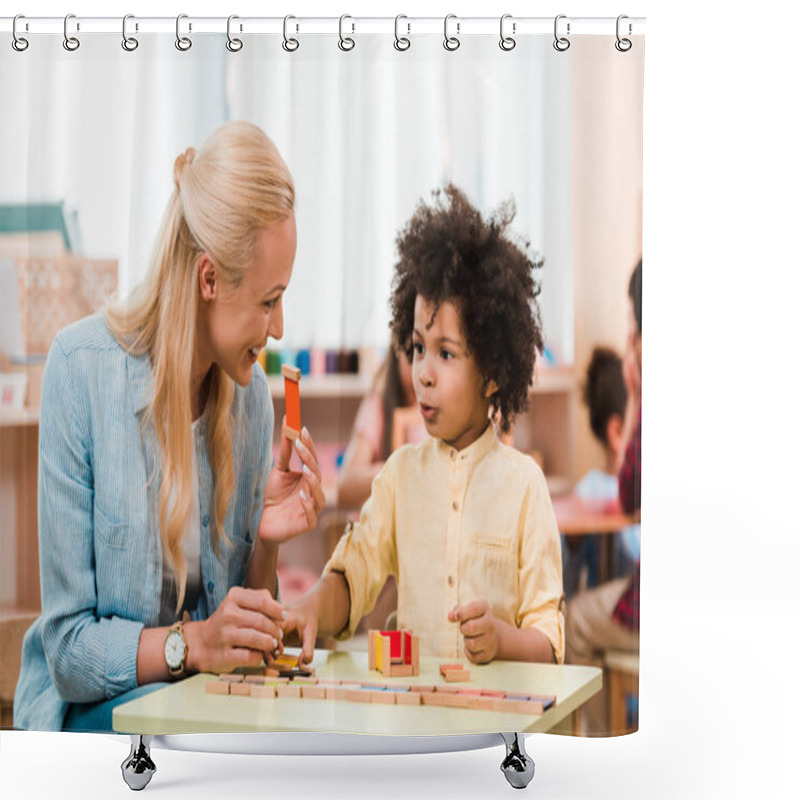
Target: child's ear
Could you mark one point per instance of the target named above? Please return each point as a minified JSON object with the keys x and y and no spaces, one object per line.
{"x":614,"y":433}
{"x":207,"y":276}
{"x":489,"y":388}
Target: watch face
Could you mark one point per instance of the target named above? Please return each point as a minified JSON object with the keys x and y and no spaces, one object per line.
{"x":174,"y":649}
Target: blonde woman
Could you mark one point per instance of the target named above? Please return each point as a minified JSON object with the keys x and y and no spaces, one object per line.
{"x":156,"y":499}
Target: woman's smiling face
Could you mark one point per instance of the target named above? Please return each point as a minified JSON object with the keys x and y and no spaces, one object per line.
{"x":239,"y":319}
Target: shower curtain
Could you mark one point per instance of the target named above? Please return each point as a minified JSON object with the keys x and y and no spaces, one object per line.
{"x":538,"y":124}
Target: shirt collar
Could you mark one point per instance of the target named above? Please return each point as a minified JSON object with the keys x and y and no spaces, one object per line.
{"x":140,"y":381}
{"x":471,"y":454}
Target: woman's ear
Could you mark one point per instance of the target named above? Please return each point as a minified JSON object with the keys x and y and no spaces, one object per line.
{"x":489,"y":388}
{"x":207,"y":276}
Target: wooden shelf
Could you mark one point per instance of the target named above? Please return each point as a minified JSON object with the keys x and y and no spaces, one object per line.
{"x":18,"y":417}
{"x":553,"y":379}
{"x":324,"y":386}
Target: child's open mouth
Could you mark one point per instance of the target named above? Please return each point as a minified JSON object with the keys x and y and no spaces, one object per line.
{"x":428,"y":412}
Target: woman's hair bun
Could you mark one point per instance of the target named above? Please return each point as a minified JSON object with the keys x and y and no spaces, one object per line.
{"x":181,"y":162}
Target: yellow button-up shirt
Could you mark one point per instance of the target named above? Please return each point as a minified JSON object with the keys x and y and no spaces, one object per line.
{"x":452,"y":527}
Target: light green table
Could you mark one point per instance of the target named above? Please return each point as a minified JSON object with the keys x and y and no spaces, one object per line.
{"x":184,"y":707}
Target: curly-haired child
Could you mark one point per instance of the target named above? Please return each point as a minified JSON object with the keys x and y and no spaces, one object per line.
{"x":463,"y":522}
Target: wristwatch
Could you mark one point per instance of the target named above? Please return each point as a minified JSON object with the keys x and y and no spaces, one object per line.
{"x":175,"y":650}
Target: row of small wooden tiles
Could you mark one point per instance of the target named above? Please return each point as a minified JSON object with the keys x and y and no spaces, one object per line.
{"x":447,"y":696}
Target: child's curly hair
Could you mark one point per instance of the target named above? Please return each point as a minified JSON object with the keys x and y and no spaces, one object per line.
{"x":448,"y":252}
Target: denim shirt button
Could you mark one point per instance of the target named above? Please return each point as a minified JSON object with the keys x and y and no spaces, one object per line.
{"x":248,"y":538}
{"x":211,"y":586}
{"x":205,"y":520}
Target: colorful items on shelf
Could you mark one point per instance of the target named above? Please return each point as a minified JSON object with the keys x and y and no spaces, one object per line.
{"x":314,"y":361}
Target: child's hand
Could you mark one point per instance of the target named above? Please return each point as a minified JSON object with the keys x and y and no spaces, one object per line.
{"x":301,"y":625}
{"x":478,"y":626}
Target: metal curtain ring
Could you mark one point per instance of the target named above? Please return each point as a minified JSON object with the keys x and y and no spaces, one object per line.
{"x":290,"y":45}
{"x":19,"y":43}
{"x":345,"y":42}
{"x":623,"y":45}
{"x":561,"y":43}
{"x":401,"y":42}
{"x":451,"y":42}
{"x":234,"y":45}
{"x":506,"y":42}
{"x":70,"y":42}
{"x":129,"y":43}
{"x":181,"y":42}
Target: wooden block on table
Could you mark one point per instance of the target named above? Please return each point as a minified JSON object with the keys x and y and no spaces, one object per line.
{"x":385,"y":696}
{"x":401,"y":671}
{"x":231,"y":678}
{"x":432,"y":698}
{"x":372,"y":685}
{"x":456,"y":676}
{"x":218,"y":687}
{"x":287,"y":690}
{"x":479,"y":703}
{"x":444,"y":668}
{"x":497,"y":693}
{"x":371,"y":645}
{"x":407,"y":698}
{"x":272,"y":673}
{"x":255,"y":680}
{"x":385,"y":655}
{"x":263,"y":692}
{"x":313,"y":692}
{"x":358,"y":695}
{"x":241,"y":689}
{"x":285,"y":660}
{"x":415,"y":653}
{"x":443,"y":688}
{"x":336,"y":693}
{"x":304,"y":681}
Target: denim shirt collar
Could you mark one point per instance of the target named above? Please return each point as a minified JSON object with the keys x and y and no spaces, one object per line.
{"x":140,"y":379}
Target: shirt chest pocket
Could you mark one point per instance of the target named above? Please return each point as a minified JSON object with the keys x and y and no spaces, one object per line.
{"x":496,"y":554}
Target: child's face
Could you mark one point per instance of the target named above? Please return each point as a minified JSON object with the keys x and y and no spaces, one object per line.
{"x":449,"y":387}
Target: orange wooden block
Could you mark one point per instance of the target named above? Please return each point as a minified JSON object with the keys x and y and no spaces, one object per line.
{"x":447,"y":667}
{"x":302,"y":681}
{"x":401,"y":671}
{"x":313,"y":692}
{"x":285,"y":660}
{"x":287,"y":690}
{"x":255,"y":680}
{"x":218,"y":687}
{"x":241,"y":689}
{"x":445,"y":689}
{"x":432,"y":698}
{"x":291,"y":383}
{"x":336,"y":693}
{"x":263,"y":692}
{"x":423,"y":688}
{"x":231,"y":678}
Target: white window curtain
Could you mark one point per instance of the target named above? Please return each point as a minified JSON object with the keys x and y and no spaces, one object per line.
{"x":383,"y":130}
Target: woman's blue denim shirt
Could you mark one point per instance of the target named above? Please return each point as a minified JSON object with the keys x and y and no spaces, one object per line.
{"x":99,"y":541}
